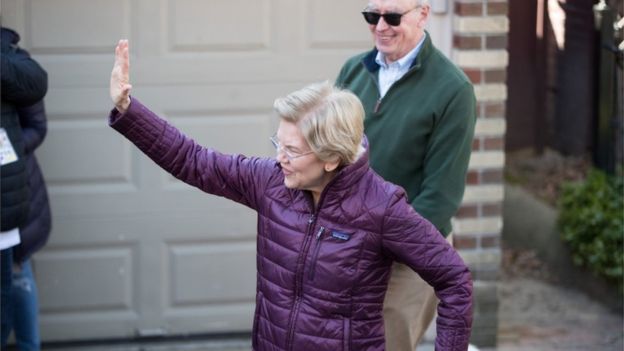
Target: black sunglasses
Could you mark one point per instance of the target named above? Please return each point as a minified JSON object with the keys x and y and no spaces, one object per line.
{"x":393,"y":19}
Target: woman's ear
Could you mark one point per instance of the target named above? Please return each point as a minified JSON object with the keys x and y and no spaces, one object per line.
{"x":331,"y":166}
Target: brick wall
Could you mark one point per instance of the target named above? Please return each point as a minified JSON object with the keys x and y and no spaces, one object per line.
{"x":479,"y":47}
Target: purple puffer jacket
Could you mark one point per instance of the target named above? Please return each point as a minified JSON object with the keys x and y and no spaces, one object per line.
{"x":322,"y":274}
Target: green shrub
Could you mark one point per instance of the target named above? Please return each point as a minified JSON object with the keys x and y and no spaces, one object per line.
{"x":591,"y":221}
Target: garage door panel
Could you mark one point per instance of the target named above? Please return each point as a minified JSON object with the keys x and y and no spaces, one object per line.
{"x":89,"y":165}
{"x":69,"y":234}
{"x":221,"y":318}
{"x":78,"y":103}
{"x":211,"y":273}
{"x":78,"y":273}
{"x":210,"y":223}
{"x":233,"y":134}
{"x":76,"y":326}
{"x":335,"y":24}
{"x":216,"y":99}
{"x":219,"y":25}
{"x":197,"y":224}
{"x":211,"y":75}
{"x":257,"y":73}
{"x":190,"y":207}
{"x":76,"y":26}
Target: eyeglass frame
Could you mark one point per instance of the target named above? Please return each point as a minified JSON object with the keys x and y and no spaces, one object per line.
{"x":385,"y":16}
{"x":289,"y":155}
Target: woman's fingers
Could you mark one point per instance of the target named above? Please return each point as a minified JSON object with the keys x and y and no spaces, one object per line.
{"x":126,"y":61}
{"x":120,"y":76}
{"x":123,"y":59}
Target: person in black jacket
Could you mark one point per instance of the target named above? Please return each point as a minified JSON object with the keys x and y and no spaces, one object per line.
{"x":24,"y":82}
{"x":33,"y":234}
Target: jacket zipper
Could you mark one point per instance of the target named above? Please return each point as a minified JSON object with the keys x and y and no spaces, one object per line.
{"x":346,"y":334}
{"x":298,"y":284}
{"x":376,"y":80}
{"x":377,"y":105}
{"x":317,"y":248}
{"x":301,"y":267}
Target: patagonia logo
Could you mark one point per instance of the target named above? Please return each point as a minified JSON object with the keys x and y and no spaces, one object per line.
{"x":340,"y":236}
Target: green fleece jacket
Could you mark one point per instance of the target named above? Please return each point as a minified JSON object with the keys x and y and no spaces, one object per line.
{"x":421,"y":131}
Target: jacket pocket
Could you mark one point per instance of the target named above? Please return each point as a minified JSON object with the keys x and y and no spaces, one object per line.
{"x":317,"y":248}
{"x":332,"y":242}
{"x":346,"y":341}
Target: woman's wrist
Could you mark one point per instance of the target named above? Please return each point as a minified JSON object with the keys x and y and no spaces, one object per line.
{"x":123,"y":106}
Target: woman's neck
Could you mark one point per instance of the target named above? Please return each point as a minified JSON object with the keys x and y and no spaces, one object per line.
{"x":316,"y":197}
{"x":316,"y":193}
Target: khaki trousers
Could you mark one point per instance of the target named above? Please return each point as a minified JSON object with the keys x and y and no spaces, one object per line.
{"x":409,"y":308}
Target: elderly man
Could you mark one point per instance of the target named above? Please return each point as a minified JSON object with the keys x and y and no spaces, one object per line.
{"x":420,"y":117}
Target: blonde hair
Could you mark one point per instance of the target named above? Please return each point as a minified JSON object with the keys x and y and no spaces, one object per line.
{"x":331,"y":120}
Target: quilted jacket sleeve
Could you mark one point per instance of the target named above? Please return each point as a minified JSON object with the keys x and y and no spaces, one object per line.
{"x":34,"y":125}
{"x":235,"y":177}
{"x":446,"y":161}
{"x":414,"y":241}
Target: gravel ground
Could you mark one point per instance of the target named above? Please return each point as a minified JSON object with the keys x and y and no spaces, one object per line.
{"x":535,"y":313}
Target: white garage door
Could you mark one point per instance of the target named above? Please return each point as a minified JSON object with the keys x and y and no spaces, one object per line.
{"x":133,"y":251}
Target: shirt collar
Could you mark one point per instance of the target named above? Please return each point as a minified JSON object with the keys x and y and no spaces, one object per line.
{"x":405,"y":61}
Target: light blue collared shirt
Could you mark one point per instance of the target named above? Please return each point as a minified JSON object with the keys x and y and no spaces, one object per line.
{"x":388,"y":74}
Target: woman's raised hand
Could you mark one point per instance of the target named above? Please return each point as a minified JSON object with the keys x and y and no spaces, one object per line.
{"x":120,"y":77}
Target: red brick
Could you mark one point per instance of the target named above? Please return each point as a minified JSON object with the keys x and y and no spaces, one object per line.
{"x":496,"y":42}
{"x":468,"y":9}
{"x":492,"y":176}
{"x":492,"y":210}
{"x":495,"y":76}
{"x":464,"y":42}
{"x":473,"y":74}
{"x":496,"y":109}
{"x":468,"y":211}
{"x":476,"y":144}
{"x":490,"y":241}
{"x":472,"y":178}
{"x":464,"y":242}
{"x":494,"y":143}
{"x":497,"y":8}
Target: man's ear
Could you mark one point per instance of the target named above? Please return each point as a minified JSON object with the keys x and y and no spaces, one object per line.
{"x":425,"y":15}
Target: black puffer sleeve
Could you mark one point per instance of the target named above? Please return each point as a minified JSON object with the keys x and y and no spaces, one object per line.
{"x":34,"y":125}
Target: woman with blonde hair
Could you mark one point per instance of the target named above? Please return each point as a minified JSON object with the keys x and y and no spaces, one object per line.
{"x":329,"y":228}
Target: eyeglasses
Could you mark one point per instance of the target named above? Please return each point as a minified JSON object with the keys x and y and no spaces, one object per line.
{"x":393,"y":19}
{"x":290,"y":154}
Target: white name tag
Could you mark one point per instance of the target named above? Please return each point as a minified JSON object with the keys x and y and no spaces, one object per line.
{"x":9,"y":238}
{"x":7,"y":153}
